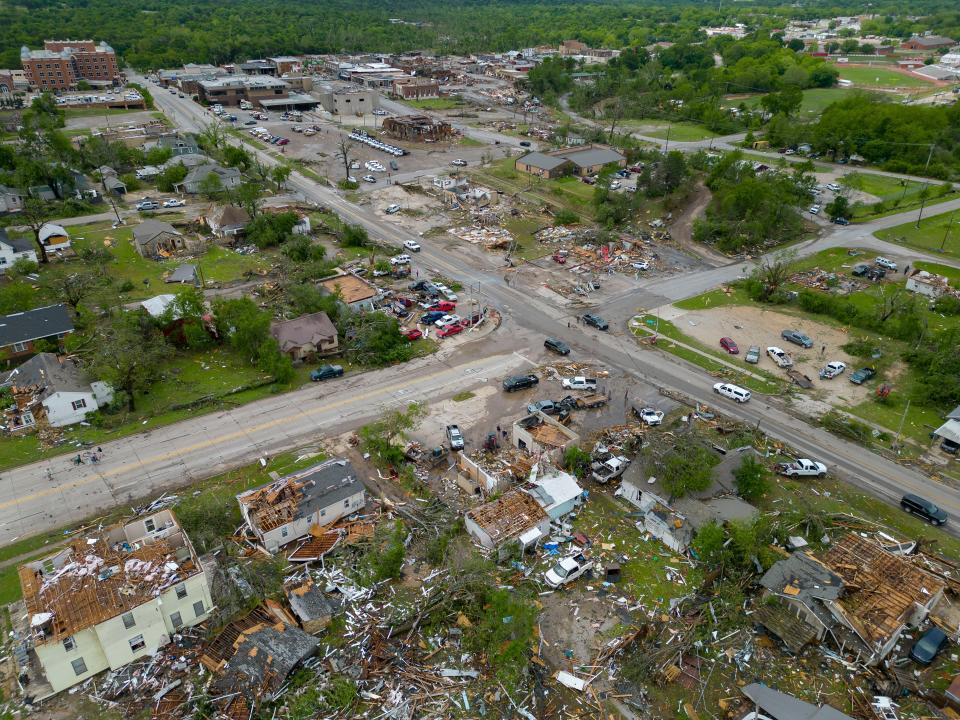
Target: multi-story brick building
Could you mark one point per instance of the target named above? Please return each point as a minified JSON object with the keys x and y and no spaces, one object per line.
{"x":61,"y":64}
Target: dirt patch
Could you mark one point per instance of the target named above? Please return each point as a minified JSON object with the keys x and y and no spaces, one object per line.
{"x":573,"y":625}
{"x":757,"y":326}
{"x":682,"y":228}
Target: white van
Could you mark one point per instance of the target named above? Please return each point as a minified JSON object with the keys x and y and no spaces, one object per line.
{"x":734,"y":392}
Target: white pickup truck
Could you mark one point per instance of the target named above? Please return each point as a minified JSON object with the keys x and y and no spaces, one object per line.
{"x":609,"y":469}
{"x":455,"y":437}
{"x":780,"y":357}
{"x":579,"y":383}
{"x":802,"y":468}
{"x":567,"y":570}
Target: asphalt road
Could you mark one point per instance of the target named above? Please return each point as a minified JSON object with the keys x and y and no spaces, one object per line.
{"x":51,"y":493}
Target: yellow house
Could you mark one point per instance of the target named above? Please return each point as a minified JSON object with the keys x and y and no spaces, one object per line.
{"x":109,"y":599}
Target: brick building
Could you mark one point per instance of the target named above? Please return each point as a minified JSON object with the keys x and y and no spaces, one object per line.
{"x":61,"y":64}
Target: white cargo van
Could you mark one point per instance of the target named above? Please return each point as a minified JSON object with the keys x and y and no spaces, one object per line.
{"x":734,"y":392}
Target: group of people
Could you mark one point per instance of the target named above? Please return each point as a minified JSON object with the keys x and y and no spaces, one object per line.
{"x":93,"y":457}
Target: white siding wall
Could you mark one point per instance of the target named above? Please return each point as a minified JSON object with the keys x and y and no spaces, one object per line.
{"x":60,"y":412}
{"x":8,"y":256}
{"x":115,"y":638}
{"x":57,"y":662}
{"x":274,"y":539}
{"x":197,"y":590}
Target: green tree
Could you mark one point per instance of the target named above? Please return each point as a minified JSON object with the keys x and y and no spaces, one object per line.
{"x":73,"y":288}
{"x":687,"y":471}
{"x":752,"y":478}
{"x":237,"y":157}
{"x":129,"y":354}
{"x":280,"y":174}
{"x":16,"y":296}
{"x":384,"y":438}
{"x":576,"y":461}
{"x":354,"y":236}
{"x":839,"y":207}
{"x":249,"y":196}
{"x":271,"y":229}
{"x":170,"y":176}
{"x":211,"y":186}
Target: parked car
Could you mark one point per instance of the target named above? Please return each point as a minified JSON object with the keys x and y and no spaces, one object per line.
{"x":442,"y":305}
{"x":649,"y":416}
{"x":926,"y":649}
{"x":797,"y":338}
{"x":729,"y":345}
{"x":147,"y":205}
{"x":459,"y":163}
{"x":174,"y":202}
{"x":446,"y":320}
{"x":567,"y":570}
{"x":802,"y":468}
{"x":547,"y":407}
{"x":734,"y":392}
{"x":840,"y":221}
{"x":949,"y":446}
{"x":524,"y":143}
{"x":595,"y":320}
{"x":325,"y":372}
{"x":400,"y":259}
{"x":753,"y":355}
{"x":393,"y":165}
{"x":392,"y":209}
{"x":814,"y":210}
{"x":579,"y":383}
{"x":520,"y":382}
{"x":779,"y":356}
{"x":369,"y":178}
{"x":429,"y":318}
{"x":412,"y":334}
{"x":283,"y":141}
{"x":885,"y":263}
{"x":832,"y":369}
{"x":557,"y":346}
{"x":412,"y":245}
{"x":921,"y":507}
{"x":862,"y":375}
{"x":455,"y":437}
{"x":860,"y":270}
{"x":834,"y":187}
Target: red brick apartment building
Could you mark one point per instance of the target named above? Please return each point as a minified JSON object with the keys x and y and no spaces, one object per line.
{"x":61,"y":64}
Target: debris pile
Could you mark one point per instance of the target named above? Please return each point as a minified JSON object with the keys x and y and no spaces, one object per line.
{"x":490,"y":237}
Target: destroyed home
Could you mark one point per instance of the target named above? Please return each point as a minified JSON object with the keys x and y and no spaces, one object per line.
{"x":13,"y":249}
{"x":197,"y":176}
{"x":354,"y":292}
{"x":299,"y":504}
{"x":927,"y":284}
{"x":540,"y":434}
{"x":156,"y":239}
{"x":49,"y":389}
{"x":417,"y":128}
{"x":185,"y":274}
{"x":252,"y":657}
{"x":108,"y":599}
{"x":54,"y":237}
{"x":305,"y":337}
{"x":19,"y":331}
{"x":313,"y":608}
{"x":775,"y":705}
{"x":515,"y":516}
{"x":558,"y":493}
{"x":856,"y":593}
{"x":661,"y":520}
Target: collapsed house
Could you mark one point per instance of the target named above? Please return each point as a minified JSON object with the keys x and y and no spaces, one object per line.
{"x":50,"y":389}
{"x":302,"y":503}
{"x":776,"y":705}
{"x":417,"y":128}
{"x":540,"y":434}
{"x":313,"y":608}
{"x":253,"y":656}
{"x":108,"y":599}
{"x":515,"y":516}
{"x":856,"y":593}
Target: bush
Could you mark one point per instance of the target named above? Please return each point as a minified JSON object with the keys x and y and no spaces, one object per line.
{"x":354,"y":236}
{"x":565,"y":217}
{"x":576,"y":461}
{"x":126,"y":286}
{"x":131,"y":181}
{"x":24,"y":266}
{"x":859,"y":347}
{"x":752,"y":478}
{"x":348,"y":185}
{"x":300,"y":250}
{"x":389,"y":560}
{"x":948,"y":304}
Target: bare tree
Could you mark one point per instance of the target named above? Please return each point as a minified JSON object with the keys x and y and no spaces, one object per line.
{"x":36,"y":213}
{"x":344,"y":147}
{"x":773,"y":272}
{"x":214,"y":135}
{"x":615,"y":114}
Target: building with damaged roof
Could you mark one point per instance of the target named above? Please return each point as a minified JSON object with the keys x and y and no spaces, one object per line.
{"x":514,"y":516}
{"x":313,"y":608}
{"x":300,"y":504}
{"x":857,"y":594}
{"x":538,"y":433}
{"x":108,"y":599}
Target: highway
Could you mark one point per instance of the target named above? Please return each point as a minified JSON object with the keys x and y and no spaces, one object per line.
{"x":49,"y":494}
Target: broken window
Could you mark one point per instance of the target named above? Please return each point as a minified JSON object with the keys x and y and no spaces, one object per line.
{"x":128,"y":621}
{"x":19,"y":347}
{"x":181,"y":591}
{"x":284,"y":532}
{"x":176,"y":620}
{"x":346,"y":503}
{"x":79,"y":666}
{"x":149,"y":525}
{"x":198,"y":608}
{"x":137,"y":644}
{"x":69,"y":644}
{"x":78,"y":404}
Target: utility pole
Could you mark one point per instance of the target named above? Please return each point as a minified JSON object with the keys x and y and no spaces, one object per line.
{"x":923,"y":200}
{"x":666,"y":148}
{"x":947,"y":233}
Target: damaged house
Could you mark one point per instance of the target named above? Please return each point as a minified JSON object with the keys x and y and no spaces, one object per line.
{"x":108,"y":599}
{"x":515,"y":516}
{"x":417,"y":128}
{"x":313,"y":608}
{"x":538,"y":434}
{"x":856,"y":593}
{"x":252,"y":657}
{"x":300,"y":504}
{"x":51,"y":389}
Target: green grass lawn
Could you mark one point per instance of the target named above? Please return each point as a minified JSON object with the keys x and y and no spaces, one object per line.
{"x":934,"y":231}
{"x":83,"y":112}
{"x":714,"y":298}
{"x":444,"y":103}
{"x":523,"y":229}
{"x":815,"y":100}
{"x":567,"y":192}
{"x":678,"y":131}
{"x":879,"y":77}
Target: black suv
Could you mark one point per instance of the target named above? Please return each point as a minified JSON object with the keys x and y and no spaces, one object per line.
{"x":598,"y":322}
{"x":520,"y":382}
{"x":916,"y":505}
{"x":558,"y":346}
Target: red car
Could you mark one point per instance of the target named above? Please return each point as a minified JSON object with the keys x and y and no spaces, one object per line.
{"x":450,"y":330}
{"x":729,"y":345}
{"x":444,"y":305}
{"x":412,"y":334}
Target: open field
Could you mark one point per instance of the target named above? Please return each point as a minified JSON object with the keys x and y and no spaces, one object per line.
{"x":679,"y":131}
{"x":815,"y":100}
{"x":879,"y":77}
{"x":938,"y":233}
{"x":445,"y":103}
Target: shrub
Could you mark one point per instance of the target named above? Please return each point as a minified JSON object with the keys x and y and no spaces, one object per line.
{"x":348,"y":185}
{"x":752,"y":479}
{"x":565,"y":216}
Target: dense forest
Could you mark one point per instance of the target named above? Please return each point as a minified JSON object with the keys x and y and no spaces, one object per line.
{"x":165,"y":33}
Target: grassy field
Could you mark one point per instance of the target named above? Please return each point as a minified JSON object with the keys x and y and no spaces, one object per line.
{"x":83,"y":112}
{"x":680,"y":131}
{"x":879,"y":77}
{"x":566,"y":192}
{"x":445,"y":103}
{"x":815,"y":100}
{"x":935,"y":231}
